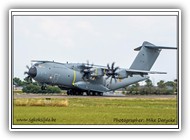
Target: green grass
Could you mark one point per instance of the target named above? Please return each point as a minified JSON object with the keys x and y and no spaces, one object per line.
{"x":18,"y":91}
{"x":100,"y":111}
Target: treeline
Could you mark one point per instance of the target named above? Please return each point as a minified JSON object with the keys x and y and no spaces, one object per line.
{"x":34,"y":87}
{"x":162,"y":88}
{"x":31,"y":88}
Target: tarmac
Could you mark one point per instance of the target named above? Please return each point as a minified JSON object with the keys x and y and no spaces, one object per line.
{"x":107,"y":95}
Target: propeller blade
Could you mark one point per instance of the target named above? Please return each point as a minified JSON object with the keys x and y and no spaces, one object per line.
{"x":112,"y":66}
{"x":30,"y":79}
{"x":111,"y":80}
{"x":92,"y":65}
{"x":115,"y":80}
{"x":84,"y":75}
{"x":116,"y":69}
{"x":26,"y":78}
{"x":108,"y":66}
{"x":27,"y":67}
{"x":25,"y":72}
{"x":107,"y":77}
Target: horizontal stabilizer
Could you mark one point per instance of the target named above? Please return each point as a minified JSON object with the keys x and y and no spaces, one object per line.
{"x":154,"y":47}
{"x":160,"y":47}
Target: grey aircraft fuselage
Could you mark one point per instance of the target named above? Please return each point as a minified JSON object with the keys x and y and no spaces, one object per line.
{"x":68,"y":76}
{"x":77,"y":78}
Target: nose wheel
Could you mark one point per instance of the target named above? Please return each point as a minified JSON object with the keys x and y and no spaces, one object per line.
{"x":43,"y":87}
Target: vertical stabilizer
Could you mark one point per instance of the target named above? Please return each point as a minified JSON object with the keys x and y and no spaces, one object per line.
{"x":147,"y":55}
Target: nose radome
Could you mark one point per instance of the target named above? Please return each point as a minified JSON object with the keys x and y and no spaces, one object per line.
{"x":32,"y":72}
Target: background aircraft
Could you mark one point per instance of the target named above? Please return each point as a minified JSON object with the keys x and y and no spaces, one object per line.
{"x":79,"y":78}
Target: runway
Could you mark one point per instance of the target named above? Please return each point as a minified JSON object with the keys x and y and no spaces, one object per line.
{"x":113,"y":96}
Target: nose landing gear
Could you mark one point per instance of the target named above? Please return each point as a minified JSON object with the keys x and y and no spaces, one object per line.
{"x":43,"y":87}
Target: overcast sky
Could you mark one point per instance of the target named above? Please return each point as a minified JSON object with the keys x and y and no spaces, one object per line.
{"x":99,"y":39}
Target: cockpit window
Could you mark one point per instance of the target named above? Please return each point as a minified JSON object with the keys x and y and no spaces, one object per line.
{"x":39,"y":64}
{"x":36,"y":64}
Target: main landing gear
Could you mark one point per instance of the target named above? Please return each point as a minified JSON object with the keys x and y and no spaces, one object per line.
{"x":80,"y":93}
{"x":74,"y":92}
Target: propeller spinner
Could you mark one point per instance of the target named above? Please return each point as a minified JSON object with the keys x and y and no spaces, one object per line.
{"x":32,"y":72}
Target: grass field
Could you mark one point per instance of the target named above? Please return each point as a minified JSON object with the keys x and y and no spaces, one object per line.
{"x":98,"y":111}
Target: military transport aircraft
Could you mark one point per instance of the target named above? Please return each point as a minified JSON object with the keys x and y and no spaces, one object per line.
{"x":80,"y":78}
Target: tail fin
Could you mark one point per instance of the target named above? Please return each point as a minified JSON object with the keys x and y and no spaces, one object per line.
{"x":147,"y":56}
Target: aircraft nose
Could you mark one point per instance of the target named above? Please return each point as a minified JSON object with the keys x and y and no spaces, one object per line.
{"x":32,"y":72}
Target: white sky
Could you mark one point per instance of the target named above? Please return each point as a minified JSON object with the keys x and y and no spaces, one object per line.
{"x":99,"y":39}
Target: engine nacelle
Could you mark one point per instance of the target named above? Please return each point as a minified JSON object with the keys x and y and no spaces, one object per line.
{"x":121,"y":74}
{"x":96,"y":72}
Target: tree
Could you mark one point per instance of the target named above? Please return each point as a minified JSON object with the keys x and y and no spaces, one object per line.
{"x":165,"y":87}
{"x":148,"y":83}
{"x":136,"y":88}
{"x":175,"y":85}
{"x":161,"y":84}
{"x":172,"y":85}
{"x":161,"y":87}
{"x":31,"y":88}
{"x":17,"y":81}
{"x":148,"y":86}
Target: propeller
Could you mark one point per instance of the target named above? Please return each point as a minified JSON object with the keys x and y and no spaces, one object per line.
{"x":31,"y":74}
{"x":111,"y":72}
{"x":86,"y":70}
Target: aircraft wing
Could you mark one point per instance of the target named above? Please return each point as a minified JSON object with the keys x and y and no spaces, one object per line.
{"x":121,"y":72}
{"x":40,"y":61}
{"x":132,"y":71}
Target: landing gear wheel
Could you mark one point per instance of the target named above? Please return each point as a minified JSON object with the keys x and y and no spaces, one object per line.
{"x":100,"y":94}
{"x":43,"y":87}
{"x":81,"y":93}
{"x":68,"y":92}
